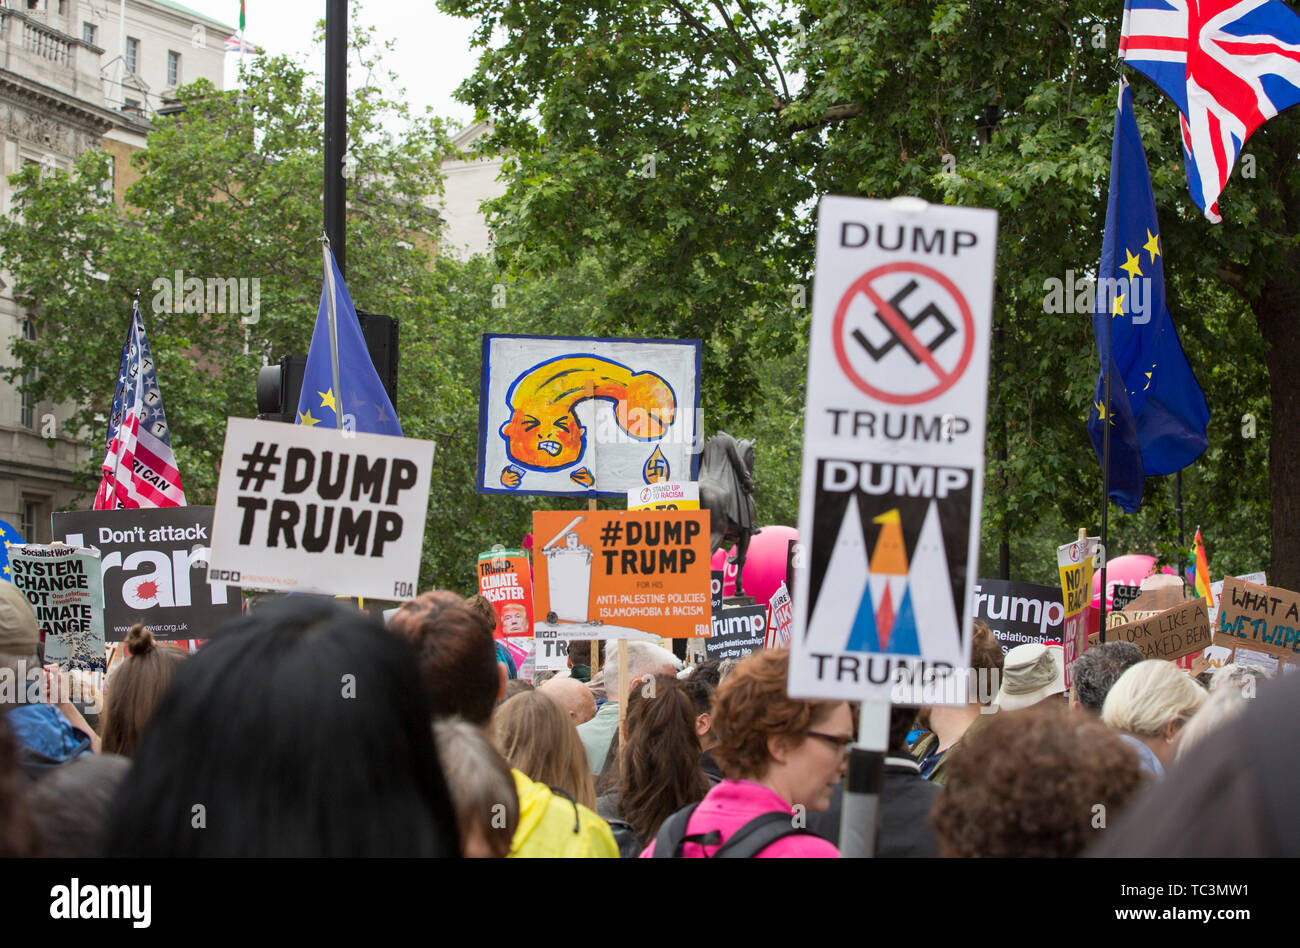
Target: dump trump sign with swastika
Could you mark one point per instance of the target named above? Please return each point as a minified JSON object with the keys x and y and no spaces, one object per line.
{"x":318,"y":510}
{"x":893,"y":462}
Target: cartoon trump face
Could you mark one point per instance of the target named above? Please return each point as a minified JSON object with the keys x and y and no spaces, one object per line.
{"x":543,"y":432}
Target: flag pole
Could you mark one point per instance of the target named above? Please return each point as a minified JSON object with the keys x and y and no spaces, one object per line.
{"x":331,"y":308}
{"x":1105,"y":486}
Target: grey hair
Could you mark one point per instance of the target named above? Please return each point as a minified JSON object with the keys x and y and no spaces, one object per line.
{"x":1237,"y":674}
{"x":643,"y":658}
{"x":1224,"y":704}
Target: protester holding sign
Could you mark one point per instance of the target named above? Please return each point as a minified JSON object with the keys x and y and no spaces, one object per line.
{"x":1149,"y":706}
{"x":47,"y":734}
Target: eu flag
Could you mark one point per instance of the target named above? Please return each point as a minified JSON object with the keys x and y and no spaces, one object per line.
{"x":1157,"y":413}
{"x":356,"y":391}
{"x":8,"y":537}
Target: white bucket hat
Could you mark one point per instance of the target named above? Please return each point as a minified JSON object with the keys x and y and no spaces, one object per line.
{"x":1031,"y":673}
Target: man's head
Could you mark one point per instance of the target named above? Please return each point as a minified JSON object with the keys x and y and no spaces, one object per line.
{"x":573,"y":696}
{"x":456,"y":654}
{"x":643,"y":660}
{"x":1096,"y":671}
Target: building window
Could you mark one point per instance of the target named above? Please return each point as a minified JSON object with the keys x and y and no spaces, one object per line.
{"x":131,"y":105}
{"x":35,"y":522}
{"x":88,"y":33}
{"x":28,"y":525}
{"x":27,"y":404}
{"x":132,"y":53}
{"x":173,"y":68}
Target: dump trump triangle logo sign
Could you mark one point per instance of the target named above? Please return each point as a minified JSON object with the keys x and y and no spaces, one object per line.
{"x":893,"y":447}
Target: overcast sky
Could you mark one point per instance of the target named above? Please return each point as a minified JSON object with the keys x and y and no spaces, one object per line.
{"x":431,"y":56}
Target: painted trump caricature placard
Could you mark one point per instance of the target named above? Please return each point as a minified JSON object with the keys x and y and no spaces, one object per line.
{"x":570,"y":415}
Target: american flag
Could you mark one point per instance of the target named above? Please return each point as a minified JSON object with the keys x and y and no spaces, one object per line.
{"x":1229,"y":66}
{"x":139,"y":467}
{"x":237,"y":44}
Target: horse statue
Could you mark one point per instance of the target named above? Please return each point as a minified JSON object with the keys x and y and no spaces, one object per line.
{"x":727,"y":492}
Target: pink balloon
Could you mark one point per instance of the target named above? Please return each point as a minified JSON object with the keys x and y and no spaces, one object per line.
{"x":764,"y":565}
{"x":1128,"y":570}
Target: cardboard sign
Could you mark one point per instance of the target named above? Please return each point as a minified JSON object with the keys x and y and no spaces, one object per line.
{"x":780,"y":618}
{"x":737,"y":632}
{"x":1172,"y":634}
{"x":664,"y":497}
{"x":62,"y":584}
{"x":505,"y":580}
{"x":568,"y":415}
{"x":604,"y":572}
{"x":153,"y":568}
{"x":1019,"y":613}
{"x":1259,"y":618}
{"x":1074,"y":561}
{"x":318,"y":510}
{"x":893,"y":457}
{"x":1216,"y":590}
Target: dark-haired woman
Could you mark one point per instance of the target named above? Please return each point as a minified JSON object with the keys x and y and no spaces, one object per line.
{"x":135,"y":690}
{"x":301,"y":729}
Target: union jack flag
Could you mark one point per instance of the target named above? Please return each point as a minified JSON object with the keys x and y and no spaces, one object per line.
{"x":237,"y":44}
{"x":1229,"y":66}
{"x":139,"y":467}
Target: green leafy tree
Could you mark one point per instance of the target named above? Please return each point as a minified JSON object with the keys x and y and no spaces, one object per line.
{"x":682,"y":144}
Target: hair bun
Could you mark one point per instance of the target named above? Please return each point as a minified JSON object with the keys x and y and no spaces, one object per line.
{"x":139,"y":641}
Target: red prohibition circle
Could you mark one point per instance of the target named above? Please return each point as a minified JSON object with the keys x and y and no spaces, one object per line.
{"x":863,"y":285}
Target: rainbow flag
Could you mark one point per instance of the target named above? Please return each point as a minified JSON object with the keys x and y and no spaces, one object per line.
{"x":1202,"y":581}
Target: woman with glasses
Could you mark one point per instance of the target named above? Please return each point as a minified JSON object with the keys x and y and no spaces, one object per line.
{"x":781,"y":758}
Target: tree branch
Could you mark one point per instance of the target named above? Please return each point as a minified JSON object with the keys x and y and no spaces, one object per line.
{"x":762,"y":38}
{"x":833,"y":113}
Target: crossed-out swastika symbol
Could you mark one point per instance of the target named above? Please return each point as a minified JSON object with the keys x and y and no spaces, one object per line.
{"x":931,"y":311}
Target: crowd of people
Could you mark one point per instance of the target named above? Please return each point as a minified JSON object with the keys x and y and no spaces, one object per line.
{"x":305,"y":728}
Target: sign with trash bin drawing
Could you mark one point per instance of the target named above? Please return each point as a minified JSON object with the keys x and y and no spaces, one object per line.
{"x":611,"y":574}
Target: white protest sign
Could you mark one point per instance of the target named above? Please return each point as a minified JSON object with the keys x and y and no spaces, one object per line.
{"x":893,"y":461}
{"x":780,"y":618}
{"x":675,"y":496}
{"x":318,"y":510}
{"x":550,"y":652}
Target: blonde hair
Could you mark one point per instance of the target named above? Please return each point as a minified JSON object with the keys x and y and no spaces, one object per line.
{"x":1150,"y":695}
{"x":539,"y":738}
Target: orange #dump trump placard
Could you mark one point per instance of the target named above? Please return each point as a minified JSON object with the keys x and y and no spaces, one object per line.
{"x":646,"y":570}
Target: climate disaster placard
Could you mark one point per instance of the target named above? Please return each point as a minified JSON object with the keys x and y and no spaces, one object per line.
{"x":505,"y":579}
{"x":611,"y":574}
{"x":154,"y":569}
{"x":317,"y":510}
{"x":893,"y":459}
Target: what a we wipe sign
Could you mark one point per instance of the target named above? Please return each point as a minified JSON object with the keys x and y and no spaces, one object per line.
{"x":304,"y":509}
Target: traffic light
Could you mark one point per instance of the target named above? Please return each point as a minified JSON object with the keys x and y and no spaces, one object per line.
{"x":279,"y":386}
